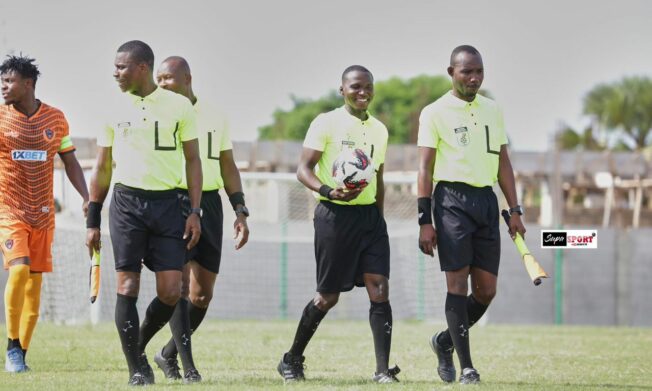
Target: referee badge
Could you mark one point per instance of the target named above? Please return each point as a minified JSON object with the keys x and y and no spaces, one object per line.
{"x":463,"y":137}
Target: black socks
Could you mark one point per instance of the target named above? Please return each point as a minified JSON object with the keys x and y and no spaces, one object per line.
{"x":380,"y":320}
{"x":307,"y":326}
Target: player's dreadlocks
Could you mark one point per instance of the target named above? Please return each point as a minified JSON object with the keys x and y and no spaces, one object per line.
{"x":22,"y":65}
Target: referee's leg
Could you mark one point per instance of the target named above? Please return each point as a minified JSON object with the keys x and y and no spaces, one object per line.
{"x":380,"y":318}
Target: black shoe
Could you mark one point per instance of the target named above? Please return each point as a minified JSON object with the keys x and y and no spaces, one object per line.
{"x":469,"y":376}
{"x":192,"y":376}
{"x":445,"y":367}
{"x":169,"y":366}
{"x":145,"y":369}
{"x":291,"y":367}
{"x":137,"y":379}
{"x":387,"y":377}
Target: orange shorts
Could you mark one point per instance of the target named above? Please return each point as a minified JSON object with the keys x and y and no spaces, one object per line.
{"x":18,"y":239}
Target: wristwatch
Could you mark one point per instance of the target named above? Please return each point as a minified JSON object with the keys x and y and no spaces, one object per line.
{"x":241,"y":209}
{"x":518,"y":209}
{"x":198,"y":211}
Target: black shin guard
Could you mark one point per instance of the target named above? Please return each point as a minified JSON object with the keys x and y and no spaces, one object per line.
{"x":126,"y":321}
{"x":156,"y":316}
{"x":458,"y":326}
{"x":307,"y":326}
{"x":380,"y":320}
{"x":474,"y":309}
{"x":196,"y":315}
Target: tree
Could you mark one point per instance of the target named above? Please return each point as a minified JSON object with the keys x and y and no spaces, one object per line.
{"x":625,"y":107}
{"x":397,"y":103}
{"x":570,"y":139}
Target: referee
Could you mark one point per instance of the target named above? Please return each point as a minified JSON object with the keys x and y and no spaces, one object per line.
{"x":351,"y":241}
{"x":149,"y":133}
{"x":219,"y":172}
{"x":463,"y":149}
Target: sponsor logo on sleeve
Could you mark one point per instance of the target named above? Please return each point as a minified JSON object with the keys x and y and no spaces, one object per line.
{"x":571,"y":239}
{"x":28,"y":155}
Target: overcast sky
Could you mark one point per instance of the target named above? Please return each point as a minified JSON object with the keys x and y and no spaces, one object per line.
{"x":540,"y":57}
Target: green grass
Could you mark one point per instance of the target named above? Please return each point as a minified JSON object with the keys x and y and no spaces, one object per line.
{"x":242,"y":355}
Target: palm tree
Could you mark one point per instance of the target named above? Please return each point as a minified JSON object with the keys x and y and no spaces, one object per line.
{"x":624,"y":106}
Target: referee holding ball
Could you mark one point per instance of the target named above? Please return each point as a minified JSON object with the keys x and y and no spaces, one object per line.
{"x":351,"y":241}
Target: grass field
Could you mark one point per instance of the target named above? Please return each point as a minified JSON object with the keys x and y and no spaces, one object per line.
{"x":242,"y":355}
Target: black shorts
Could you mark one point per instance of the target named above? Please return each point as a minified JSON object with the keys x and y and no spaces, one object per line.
{"x":350,"y":240}
{"x":467,"y":219}
{"x":146,"y":227}
{"x":208,"y":251}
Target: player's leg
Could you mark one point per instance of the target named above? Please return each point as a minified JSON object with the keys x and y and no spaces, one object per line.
{"x":126,"y":317}
{"x":455,"y":228}
{"x":199,"y":276}
{"x":40,"y":245}
{"x":381,"y":322}
{"x":291,"y":364}
{"x":129,"y":239}
{"x":199,"y":285}
{"x":166,"y":257}
{"x":14,"y":302}
{"x":31,"y":309}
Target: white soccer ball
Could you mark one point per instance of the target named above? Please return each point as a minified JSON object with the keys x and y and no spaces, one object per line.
{"x":353,"y":169}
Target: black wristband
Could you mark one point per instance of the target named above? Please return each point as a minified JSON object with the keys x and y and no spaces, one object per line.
{"x":236,"y":198}
{"x":424,"y":210}
{"x":325,"y":191}
{"x":94,"y":215}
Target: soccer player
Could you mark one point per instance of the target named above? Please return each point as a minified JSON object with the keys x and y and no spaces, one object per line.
{"x":219,"y":172}
{"x":31,"y":134}
{"x":351,"y":241}
{"x":150,"y":132}
{"x":463,"y":148}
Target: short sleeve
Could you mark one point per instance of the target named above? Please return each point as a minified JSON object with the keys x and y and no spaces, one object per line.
{"x":66,"y":140}
{"x":317,"y":135}
{"x":379,"y":156}
{"x":105,"y":137}
{"x":427,"y":136}
{"x":188,"y":123}
{"x":226,"y":143}
{"x":501,"y":126}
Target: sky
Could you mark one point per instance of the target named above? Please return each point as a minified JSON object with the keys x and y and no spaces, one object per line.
{"x":250,"y":57}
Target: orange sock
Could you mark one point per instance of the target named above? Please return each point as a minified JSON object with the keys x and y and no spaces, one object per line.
{"x":30,"y":313}
{"x":14,"y":298}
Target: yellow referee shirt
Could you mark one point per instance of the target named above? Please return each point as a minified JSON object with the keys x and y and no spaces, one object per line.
{"x":214,"y":137}
{"x":467,"y":136}
{"x":331,"y":132}
{"x":146,"y":135}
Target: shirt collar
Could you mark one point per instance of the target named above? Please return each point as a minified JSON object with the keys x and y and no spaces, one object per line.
{"x":353,"y":117}
{"x":151,"y":97}
{"x":454,"y":101}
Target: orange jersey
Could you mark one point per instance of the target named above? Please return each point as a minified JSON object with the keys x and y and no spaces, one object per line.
{"x":27,"y":149}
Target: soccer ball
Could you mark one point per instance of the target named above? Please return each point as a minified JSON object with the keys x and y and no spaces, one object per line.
{"x":353,"y":169}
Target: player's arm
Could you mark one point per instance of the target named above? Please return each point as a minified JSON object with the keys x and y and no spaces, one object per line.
{"x":306,"y":175}
{"x":427,"y":233}
{"x":100,"y":183}
{"x":195,"y":183}
{"x":75,"y":174}
{"x":380,"y":189}
{"x":233,"y":187}
{"x":508,"y":186}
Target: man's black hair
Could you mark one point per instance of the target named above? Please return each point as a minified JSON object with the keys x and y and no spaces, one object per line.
{"x":139,"y":51}
{"x":22,"y":65}
{"x":463,"y":48}
{"x":358,"y":68}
